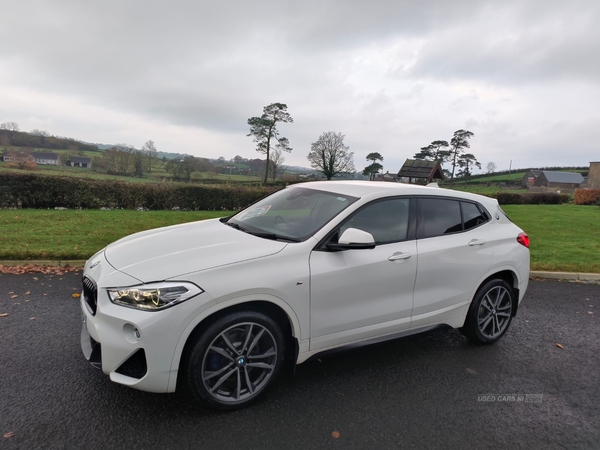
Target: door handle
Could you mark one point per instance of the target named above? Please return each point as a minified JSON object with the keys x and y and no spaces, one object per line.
{"x":473,"y":242}
{"x":398,"y":256}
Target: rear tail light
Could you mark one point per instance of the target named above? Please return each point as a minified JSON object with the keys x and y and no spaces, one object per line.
{"x":523,"y":239}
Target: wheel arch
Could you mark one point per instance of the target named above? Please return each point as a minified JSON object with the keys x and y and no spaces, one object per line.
{"x":512,"y":279}
{"x":286,"y":319}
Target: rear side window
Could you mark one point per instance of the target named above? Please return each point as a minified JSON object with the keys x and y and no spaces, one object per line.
{"x":439,"y":216}
{"x":472,"y":216}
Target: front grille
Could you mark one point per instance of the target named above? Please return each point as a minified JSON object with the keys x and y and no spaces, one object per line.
{"x":135,"y":366}
{"x":90,"y":294}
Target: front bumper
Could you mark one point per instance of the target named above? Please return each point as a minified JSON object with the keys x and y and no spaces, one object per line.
{"x":134,"y":347}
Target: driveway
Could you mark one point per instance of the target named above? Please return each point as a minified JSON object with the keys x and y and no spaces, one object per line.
{"x":428,"y":391}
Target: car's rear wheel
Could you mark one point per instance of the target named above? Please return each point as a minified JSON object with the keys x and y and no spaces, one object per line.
{"x":235,"y":359}
{"x":490,"y":313}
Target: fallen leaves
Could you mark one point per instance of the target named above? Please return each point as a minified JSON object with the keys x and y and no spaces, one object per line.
{"x":591,"y":313}
{"x":75,"y":295}
{"x":9,"y":434}
{"x":335,"y":434}
{"x":559,"y":345}
{"x":4,"y":315}
{"x":471,"y":371}
{"x":13,"y":296}
{"x":34,"y":268}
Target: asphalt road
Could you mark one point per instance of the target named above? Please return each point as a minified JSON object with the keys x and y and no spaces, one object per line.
{"x":419,"y":392}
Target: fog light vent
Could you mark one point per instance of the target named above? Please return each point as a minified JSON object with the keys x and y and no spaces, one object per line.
{"x":135,"y":366}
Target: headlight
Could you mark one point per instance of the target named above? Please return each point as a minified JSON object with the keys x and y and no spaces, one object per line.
{"x":152,"y":297}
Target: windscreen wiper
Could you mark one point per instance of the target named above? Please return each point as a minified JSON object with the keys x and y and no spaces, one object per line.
{"x":273,"y":236}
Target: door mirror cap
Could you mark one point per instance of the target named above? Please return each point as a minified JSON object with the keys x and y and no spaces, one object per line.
{"x":353,"y":238}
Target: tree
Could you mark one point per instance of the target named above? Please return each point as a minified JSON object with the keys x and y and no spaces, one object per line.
{"x":436,"y":151}
{"x":149,"y":150}
{"x":458,"y":144}
{"x":182,"y":168}
{"x":330,"y":156}
{"x":491,"y":167}
{"x":12,"y":128}
{"x":372,"y":169}
{"x":277,"y":160}
{"x":119,"y":160}
{"x":466,"y":162}
{"x":21,"y":159}
{"x":264,"y":130}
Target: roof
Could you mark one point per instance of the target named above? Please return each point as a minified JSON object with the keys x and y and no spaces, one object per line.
{"x":563,"y":177}
{"x":536,"y":173}
{"x":356,"y":188}
{"x":80,"y":159}
{"x":418,"y":168}
{"x":44,"y":155}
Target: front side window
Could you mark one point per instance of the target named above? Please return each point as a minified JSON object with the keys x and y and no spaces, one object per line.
{"x":386,"y":220}
{"x":292,"y":214}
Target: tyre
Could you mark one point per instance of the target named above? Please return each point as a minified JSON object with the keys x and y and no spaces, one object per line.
{"x":234,"y":360}
{"x":490,"y":312}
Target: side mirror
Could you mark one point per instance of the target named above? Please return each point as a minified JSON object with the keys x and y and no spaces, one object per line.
{"x":353,"y":239}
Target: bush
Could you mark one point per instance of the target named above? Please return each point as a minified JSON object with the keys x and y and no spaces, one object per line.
{"x":545,"y":198}
{"x":587,"y":196}
{"x":43,"y":191}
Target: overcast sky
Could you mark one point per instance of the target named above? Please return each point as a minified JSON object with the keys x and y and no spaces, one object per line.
{"x":392,"y":75}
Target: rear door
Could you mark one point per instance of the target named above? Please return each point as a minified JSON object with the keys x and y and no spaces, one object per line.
{"x":455,"y":252}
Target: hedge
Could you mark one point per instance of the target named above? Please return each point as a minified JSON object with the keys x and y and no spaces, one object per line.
{"x":43,"y":191}
{"x":587,"y":196}
{"x":545,"y":198}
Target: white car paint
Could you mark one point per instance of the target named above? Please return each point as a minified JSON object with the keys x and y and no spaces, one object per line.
{"x":331,"y":299}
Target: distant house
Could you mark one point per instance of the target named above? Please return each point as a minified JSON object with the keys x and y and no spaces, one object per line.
{"x":565,"y":180}
{"x":421,"y":170}
{"x":390,"y":177}
{"x":46,"y":158}
{"x":81,"y":161}
{"x":530,"y":177}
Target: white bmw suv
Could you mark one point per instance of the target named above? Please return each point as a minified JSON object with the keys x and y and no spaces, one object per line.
{"x":219,"y":306}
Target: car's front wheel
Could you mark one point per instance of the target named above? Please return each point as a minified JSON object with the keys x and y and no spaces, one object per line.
{"x":235,"y":359}
{"x":490,"y":313}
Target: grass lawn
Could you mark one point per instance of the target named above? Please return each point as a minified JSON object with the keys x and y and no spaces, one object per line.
{"x":69,"y":234}
{"x":564,"y":238}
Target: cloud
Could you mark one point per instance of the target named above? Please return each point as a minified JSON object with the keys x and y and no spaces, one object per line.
{"x":390,"y":75}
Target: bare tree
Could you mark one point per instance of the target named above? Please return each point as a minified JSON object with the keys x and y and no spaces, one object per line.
{"x":276,"y":160}
{"x":329,"y":155}
{"x":149,"y":149}
{"x":264,"y":130}
{"x":37,"y":132}
{"x":491,"y":167}
{"x":12,"y":128}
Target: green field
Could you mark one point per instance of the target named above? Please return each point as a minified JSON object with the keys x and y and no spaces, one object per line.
{"x":69,"y":234}
{"x":563,"y":237}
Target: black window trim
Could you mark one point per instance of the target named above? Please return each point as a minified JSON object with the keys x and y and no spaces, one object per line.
{"x":411,"y":231}
{"x":419,"y":226}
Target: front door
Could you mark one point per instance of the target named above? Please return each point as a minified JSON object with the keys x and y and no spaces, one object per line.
{"x":364,"y":293}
